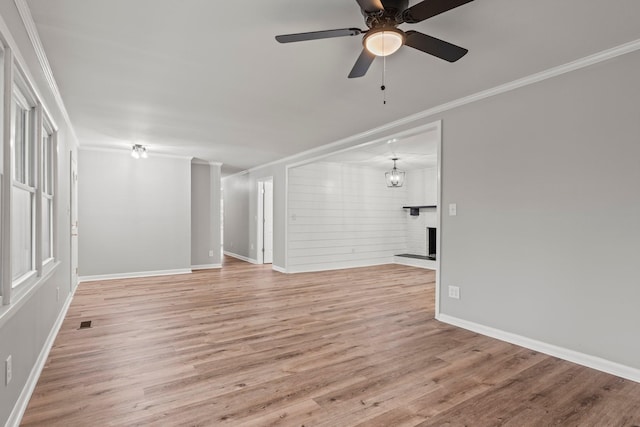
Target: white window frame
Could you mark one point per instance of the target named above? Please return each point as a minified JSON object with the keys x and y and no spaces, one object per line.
{"x":6,"y":59}
{"x":18,"y":93}
{"x":48,"y":184}
{"x":24,"y":101}
{"x":27,"y":181}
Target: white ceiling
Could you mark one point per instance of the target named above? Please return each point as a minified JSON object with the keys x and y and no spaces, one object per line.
{"x":206,"y":78}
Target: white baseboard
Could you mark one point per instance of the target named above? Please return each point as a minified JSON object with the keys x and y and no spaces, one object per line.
{"x":205,"y":266}
{"x":337,"y":266}
{"x":278,"y":269}
{"x":587,"y":360}
{"x":25,"y":395}
{"x":241,"y":257}
{"x":134,"y":275}
{"x":414,"y":262}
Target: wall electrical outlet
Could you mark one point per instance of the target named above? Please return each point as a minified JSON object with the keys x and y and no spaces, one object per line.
{"x":453,"y":209}
{"x":210,"y":253}
{"x":454,"y":292}
{"x":8,"y":371}
{"x":57,"y":294}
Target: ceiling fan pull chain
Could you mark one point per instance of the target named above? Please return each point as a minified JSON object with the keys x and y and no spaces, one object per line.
{"x":383,"y":87}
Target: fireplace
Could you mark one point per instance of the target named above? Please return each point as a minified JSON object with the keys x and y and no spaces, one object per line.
{"x":431,"y":243}
{"x":429,"y":250}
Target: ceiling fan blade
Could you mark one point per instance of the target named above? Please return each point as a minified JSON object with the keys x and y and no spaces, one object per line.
{"x":316,"y":35}
{"x":371,"y":5}
{"x":428,"y":8}
{"x":433,"y":46}
{"x":362,"y":64}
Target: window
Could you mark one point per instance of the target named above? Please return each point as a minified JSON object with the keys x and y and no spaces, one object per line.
{"x":23,"y":208}
{"x":28,"y":194}
{"x":47,"y":185}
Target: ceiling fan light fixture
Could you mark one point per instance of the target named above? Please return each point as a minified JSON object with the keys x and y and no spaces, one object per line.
{"x":385,"y":41}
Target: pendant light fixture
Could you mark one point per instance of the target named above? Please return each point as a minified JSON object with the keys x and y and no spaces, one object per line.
{"x":395,"y":177}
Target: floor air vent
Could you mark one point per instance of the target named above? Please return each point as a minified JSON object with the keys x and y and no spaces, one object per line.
{"x":85,"y":324}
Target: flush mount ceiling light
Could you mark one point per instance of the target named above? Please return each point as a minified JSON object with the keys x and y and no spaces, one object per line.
{"x":384,"y":41}
{"x":138,"y":151}
{"x":395,"y":177}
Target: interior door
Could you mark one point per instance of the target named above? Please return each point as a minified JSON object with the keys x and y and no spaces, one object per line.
{"x":73,"y":213}
{"x":268,"y":222}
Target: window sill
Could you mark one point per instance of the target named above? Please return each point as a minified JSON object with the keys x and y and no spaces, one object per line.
{"x":23,"y":292}
{"x":24,"y":280}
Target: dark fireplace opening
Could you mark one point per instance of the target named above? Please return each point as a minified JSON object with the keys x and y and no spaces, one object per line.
{"x":431,"y":243}
{"x":431,"y":247}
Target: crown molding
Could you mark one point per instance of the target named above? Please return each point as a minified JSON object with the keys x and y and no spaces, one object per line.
{"x":586,"y":61}
{"x":125,"y":151}
{"x":34,"y":37}
{"x":25,"y":14}
{"x":206,"y":162}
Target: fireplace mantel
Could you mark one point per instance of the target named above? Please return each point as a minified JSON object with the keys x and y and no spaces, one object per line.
{"x":415,"y":210}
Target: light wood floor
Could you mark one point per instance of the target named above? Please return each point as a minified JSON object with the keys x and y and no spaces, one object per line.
{"x":246,"y":346}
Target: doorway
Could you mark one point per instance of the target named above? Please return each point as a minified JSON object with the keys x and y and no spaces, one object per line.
{"x":265,"y":221}
{"x":352,"y":218}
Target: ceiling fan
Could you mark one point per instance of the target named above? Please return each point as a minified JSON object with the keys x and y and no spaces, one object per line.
{"x":384,"y":38}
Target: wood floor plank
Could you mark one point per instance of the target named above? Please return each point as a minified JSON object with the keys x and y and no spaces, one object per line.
{"x":248,"y":346}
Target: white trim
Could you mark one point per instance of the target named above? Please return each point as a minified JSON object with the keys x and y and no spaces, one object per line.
{"x":332,"y":266}
{"x":279,"y":269}
{"x":34,"y":37}
{"x":133,"y":275}
{"x":244,"y":172}
{"x":31,"y":274}
{"x":205,"y":162}
{"x":7,"y":174}
{"x":23,"y":400}
{"x":418,"y":130}
{"x":286,"y":218}
{"x":241,"y":257}
{"x":427,"y":264}
{"x":205,"y":266}
{"x":24,"y":187}
{"x":25,"y":395}
{"x":27,"y":20}
{"x":438,"y":215}
{"x":128,"y":152}
{"x":22,"y":294}
{"x":583,"y":359}
{"x":260,"y":221}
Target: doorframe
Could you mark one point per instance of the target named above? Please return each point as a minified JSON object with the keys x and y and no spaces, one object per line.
{"x":260,"y":218}
{"x":435,"y":125}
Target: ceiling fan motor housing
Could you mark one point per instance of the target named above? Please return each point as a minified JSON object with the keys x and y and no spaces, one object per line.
{"x":391,"y":16}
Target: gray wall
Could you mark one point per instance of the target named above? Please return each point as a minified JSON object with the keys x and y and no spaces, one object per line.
{"x":236,"y":192}
{"x":205,"y":214}
{"x":27,"y":323}
{"x":545,"y":178}
{"x":134,"y":214}
{"x":545,"y":242}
